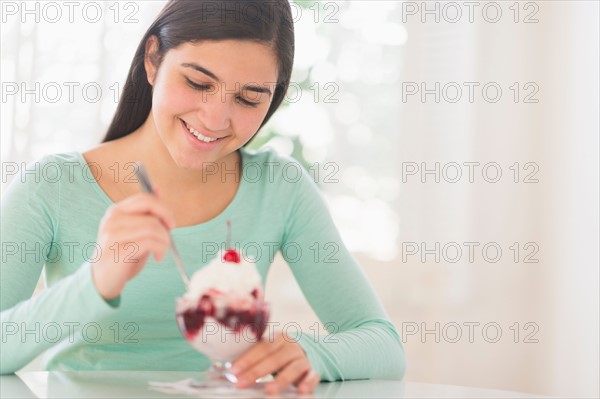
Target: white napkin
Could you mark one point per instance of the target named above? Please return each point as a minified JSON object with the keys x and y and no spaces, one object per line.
{"x":195,"y":388}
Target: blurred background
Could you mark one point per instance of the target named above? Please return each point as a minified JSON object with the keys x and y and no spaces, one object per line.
{"x":456,"y":144}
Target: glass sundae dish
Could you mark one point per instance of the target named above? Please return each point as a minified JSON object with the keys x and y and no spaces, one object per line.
{"x":223,"y":313}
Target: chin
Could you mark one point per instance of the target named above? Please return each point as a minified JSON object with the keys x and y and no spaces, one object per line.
{"x":186,"y":160}
{"x":192,"y":163}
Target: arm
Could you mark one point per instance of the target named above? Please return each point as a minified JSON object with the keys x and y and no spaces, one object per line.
{"x":363,"y":343}
{"x":30,"y":214}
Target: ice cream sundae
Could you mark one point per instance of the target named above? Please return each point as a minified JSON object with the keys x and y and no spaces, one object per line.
{"x":223,"y":314}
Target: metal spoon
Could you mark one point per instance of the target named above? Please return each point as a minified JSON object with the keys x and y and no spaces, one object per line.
{"x":144,"y":180}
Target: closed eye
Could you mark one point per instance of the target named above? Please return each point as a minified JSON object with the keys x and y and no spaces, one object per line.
{"x":197,"y":86}
{"x":203,"y":87}
{"x":246,"y":102}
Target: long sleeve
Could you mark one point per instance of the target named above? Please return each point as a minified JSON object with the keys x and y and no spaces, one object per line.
{"x":362,"y":343}
{"x":29,"y":219}
{"x":43,"y":216}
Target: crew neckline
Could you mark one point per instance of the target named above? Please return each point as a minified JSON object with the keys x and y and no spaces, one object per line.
{"x":218,"y":220}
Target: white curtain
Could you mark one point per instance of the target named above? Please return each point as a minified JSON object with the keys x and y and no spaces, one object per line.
{"x":554,"y":139}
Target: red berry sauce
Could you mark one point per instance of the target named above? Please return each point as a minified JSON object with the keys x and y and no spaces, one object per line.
{"x":255,"y":317}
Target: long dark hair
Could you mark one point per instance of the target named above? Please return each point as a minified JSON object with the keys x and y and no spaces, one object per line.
{"x":182,"y":21}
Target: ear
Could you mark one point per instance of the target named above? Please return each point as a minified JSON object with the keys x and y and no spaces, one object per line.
{"x":150,"y":59}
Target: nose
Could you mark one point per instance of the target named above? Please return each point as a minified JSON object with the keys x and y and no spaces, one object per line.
{"x":216,"y":113}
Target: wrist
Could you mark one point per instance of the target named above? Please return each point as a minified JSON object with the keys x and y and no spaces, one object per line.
{"x":106,"y":290}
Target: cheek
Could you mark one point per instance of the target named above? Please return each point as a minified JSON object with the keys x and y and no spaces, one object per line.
{"x":171,"y":100}
{"x":252,"y":118}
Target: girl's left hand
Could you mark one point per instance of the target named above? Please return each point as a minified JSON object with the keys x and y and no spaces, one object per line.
{"x":281,"y":355}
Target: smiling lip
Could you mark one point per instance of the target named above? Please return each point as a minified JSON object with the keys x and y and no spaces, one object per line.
{"x":198,"y":137}
{"x":194,"y":130}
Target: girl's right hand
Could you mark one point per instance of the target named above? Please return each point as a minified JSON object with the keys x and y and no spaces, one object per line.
{"x":129,"y":233}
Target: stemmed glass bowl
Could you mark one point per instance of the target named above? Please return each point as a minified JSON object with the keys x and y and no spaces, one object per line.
{"x":222,"y":328}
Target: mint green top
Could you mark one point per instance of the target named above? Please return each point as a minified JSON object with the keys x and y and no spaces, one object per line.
{"x":50,"y":221}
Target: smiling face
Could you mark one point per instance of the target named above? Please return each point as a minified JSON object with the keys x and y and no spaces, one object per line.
{"x":210,"y":98}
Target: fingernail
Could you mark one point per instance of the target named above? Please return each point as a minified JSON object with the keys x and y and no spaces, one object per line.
{"x":235,"y":370}
{"x":272,"y":388}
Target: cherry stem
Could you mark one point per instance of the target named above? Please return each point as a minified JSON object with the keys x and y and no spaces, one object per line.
{"x":228,"y":234}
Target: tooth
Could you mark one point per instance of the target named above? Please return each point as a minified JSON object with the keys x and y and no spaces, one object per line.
{"x":199,"y":135}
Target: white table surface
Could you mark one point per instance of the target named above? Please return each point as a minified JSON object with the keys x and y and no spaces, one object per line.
{"x":135,"y":384}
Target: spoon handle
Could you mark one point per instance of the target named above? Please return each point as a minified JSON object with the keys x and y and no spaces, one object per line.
{"x":144,"y":180}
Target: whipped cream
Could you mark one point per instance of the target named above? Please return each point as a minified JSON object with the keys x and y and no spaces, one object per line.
{"x":230,"y":278}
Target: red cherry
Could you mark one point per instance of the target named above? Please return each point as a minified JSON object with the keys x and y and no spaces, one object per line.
{"x":231,"y":255}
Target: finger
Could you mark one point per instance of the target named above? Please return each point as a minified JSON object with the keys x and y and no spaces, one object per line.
{"x":148,"y":204}
{"x":145,"y":247}
{"x":145,"y":203}
{"x":309,"y":382}
{"x":293,"y":371}
{"x":132,"y":254}
{"x":273,"y":362}
{"x":136,"y":247}
{"x":254,"y":355}
{"x":138,"y":226}
{"x":145,"y":232}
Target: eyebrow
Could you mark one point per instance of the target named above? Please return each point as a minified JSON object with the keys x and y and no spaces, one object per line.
{"x":200,"y":68}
